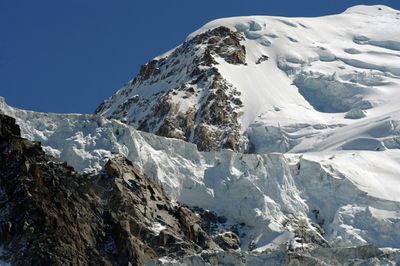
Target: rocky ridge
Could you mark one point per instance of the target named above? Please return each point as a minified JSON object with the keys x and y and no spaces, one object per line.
{"x":209,"y":115}
{"x":264,"y":84}
{"x":265,"y":198}
{"x":52,"y":215}
{"x":329,"y":107}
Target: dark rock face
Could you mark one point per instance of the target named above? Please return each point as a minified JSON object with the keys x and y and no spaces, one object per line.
{"x":262,"y":59}
{"x":51,"y":215}
{"x":195,"y":104}
{"x":228,"y":241}
{"x":46,"y":216}
{"x":305,"y":232}
{"x":220,"y":41}
{"x":148,"y":213}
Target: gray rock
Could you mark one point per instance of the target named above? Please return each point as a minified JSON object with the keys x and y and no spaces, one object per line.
{"x":212,"y":122}
{"x":51,"y":215}
{"x":355,"y":114}
{"x":227,"y":241}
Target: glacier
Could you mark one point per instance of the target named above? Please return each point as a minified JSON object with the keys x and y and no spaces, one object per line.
{"x":321,"y":117}
{"x":296,"y":78}
{"x":341,"y":191}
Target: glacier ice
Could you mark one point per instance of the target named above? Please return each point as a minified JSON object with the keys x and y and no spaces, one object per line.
{"x":262,"y":191}
{"x":322,"y":119}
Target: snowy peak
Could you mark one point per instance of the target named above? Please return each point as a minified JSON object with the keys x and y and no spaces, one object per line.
{"x":345,"y":198}
{"x":312,"y":103}
{"x":124,"y":216}
{"x":298,"y":77}
{"x":182,"y":95}
{"x":374,"y":10}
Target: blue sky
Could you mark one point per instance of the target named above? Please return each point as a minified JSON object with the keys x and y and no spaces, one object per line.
{"x":67,"y":56}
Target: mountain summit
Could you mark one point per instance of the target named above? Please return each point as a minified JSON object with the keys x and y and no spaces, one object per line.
{"x":235,"y":78}
{"x":303,"y":120}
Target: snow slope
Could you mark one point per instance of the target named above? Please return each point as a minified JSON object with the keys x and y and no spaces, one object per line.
{"x":315,"y":47}
{"x":301,"y":76}
{"x":319,"y":108}
{"x":271,"y":194}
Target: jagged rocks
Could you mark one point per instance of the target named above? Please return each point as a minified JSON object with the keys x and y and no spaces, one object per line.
{"x":46,"y":208}
{"x":150,"y":69}
{"x":51,"y":215}
{"x":306,"y":234}
{"x":183,"y":96}
{"x":261,"y":59}
{"x":8,"y":127}
{"x":227,"y":241}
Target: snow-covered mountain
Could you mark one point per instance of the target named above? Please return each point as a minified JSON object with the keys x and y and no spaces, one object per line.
{"x":307,"y":107}
{"x":264,"y":84}
{"x":52,"y":215}
{"x":301,"y":201}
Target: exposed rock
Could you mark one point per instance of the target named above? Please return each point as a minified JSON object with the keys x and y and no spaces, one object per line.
{"x":228,"y":241}
{"x":150,"y":69}
{"x":262,"y":59}
{"x":51,"y":215}
{"x":306,"y":233}
{"x":210,"y":120}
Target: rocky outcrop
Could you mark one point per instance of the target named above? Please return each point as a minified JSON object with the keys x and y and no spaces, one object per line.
{"x":307,"y":235}
{"x":183,"y":96}
{"x":168,"y":229}
{"x":228,"y":241}
{"x":51,"y":215}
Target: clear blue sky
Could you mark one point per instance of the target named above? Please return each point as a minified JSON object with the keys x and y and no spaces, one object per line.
{"x":69,"y":55}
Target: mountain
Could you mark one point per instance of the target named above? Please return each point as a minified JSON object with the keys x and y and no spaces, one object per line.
{"x":282,"y":136}
{"x":52,"y":215}
{"x":267,"y":84}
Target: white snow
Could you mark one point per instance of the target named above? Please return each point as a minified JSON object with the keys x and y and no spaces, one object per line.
{"x":309,"y":160}
{"x":321,"y":74}
{"x":345,"y":62}
{"x":157,"y":228}
{"x":376,"y":173}
{"x":259,"y":190}
{"x":280,"y":240}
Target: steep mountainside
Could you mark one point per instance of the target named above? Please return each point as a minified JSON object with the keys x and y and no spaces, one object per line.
{"x":343,"y":198}
{"x":183,"y":95}
{"x":51,"y":215}
{"x":309,"y":113}
{"x":265,"y":84}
